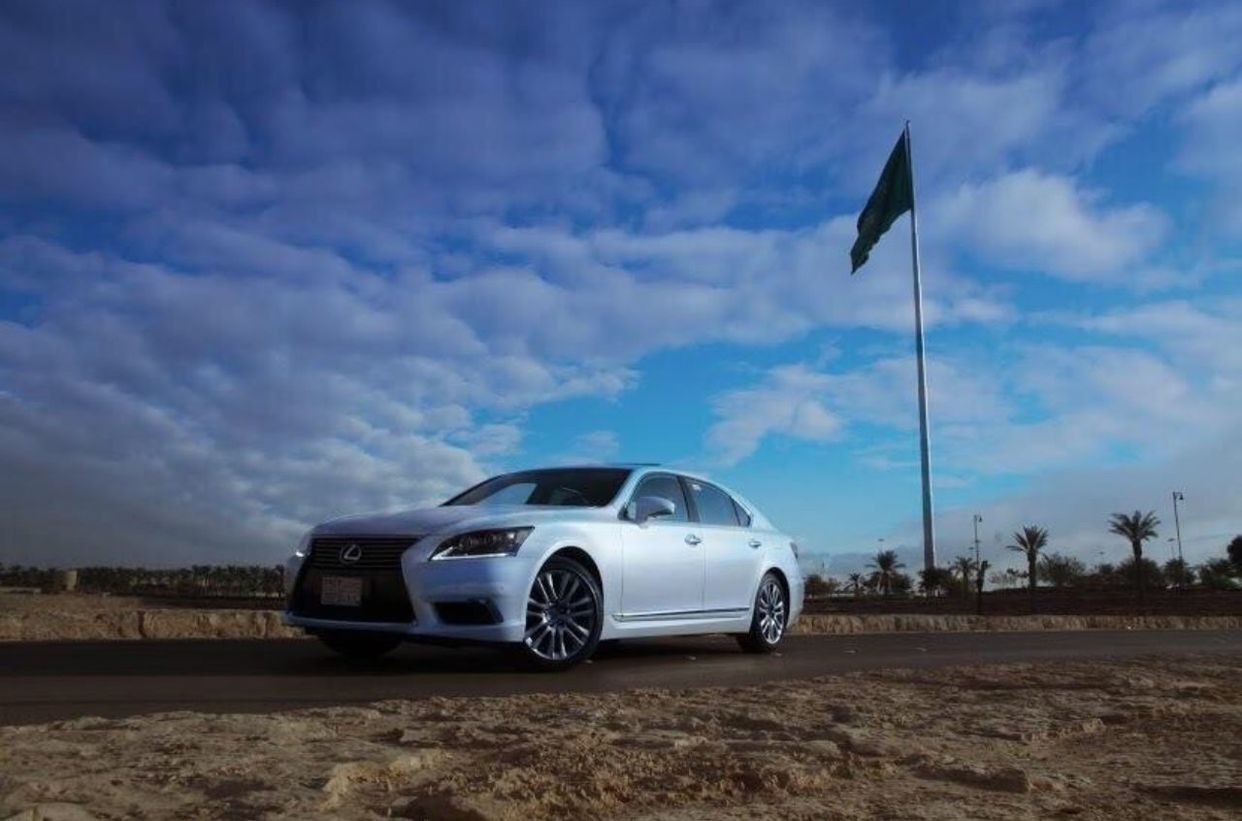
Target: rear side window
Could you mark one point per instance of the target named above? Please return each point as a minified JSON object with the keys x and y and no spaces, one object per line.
{"x":669,"y":488}
{"x":743,"y":517}
{"x":715,"y":507}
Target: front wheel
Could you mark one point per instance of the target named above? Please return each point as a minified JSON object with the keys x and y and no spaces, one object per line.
{"x":564,"y":615}
{"x":358,"y":645}
{"x":767,"y":626}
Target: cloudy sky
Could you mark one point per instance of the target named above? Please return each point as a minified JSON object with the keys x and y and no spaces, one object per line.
{"x":266,"y":263}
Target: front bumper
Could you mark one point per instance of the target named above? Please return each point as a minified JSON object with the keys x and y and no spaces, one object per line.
{"x":502,"y":583}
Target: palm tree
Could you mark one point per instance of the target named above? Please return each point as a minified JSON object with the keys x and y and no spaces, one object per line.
{"x":1136,"y":528}
{"x":886,"y":566}
{"x":1030,"y":540}
{"x":855,"y":584}
{"x":964,"y":566}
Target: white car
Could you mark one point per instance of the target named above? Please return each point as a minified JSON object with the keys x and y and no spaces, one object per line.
{"x":550,"y":562}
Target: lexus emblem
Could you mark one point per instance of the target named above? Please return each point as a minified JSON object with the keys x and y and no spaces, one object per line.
{"x":350,"y":554}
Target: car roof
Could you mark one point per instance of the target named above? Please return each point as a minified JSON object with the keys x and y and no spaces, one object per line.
{"x":640,"y":469}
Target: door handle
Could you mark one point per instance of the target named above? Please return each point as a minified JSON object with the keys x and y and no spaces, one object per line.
{"x":692,"y":539}
{"x":755,"y":543}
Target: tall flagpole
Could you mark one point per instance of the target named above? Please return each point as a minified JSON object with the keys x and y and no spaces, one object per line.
{"x":929,"y":530}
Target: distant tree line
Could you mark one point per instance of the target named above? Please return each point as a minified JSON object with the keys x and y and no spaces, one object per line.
{"x":199,"y":580}
{"x":1049,"y":569}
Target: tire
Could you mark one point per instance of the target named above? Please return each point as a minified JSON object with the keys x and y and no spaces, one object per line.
{"x":771,"y":614}
{"x":359,"y":645}
{"x":564,"y":616}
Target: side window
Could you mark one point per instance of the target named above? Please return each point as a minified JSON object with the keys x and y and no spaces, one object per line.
{"x":669,"y":488}
{"x":713,"y":504}
{"x":743,"y":517}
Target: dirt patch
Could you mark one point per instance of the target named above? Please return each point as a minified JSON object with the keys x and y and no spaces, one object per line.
{"x":1144,"y":738}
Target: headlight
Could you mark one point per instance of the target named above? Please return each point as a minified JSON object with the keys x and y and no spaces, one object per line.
{"x":479,"y":543}
{"x":303,"y":546}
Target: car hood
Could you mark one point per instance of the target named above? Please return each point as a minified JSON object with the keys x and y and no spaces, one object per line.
{"x":425,"y":521}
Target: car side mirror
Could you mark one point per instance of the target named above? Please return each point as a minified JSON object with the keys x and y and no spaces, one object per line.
{"x":649,"y":507}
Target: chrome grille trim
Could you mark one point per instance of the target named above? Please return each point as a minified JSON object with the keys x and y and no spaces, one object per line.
{"x":377,"y":552}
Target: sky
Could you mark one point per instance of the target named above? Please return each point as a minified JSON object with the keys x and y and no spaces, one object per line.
{"x":263,"y":264}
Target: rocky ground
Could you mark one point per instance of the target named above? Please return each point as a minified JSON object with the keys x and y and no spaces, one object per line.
{"x":1154,"y":738}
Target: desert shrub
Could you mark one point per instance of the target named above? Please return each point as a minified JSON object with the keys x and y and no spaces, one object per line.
{"x":1153,"y":574}
{"x":16,"y":575}
{"x":817,"y":585}
{"x":1219,"y":574}
{"x":937,"y":581}
{"x":1178,"y":573}
{"x":1057,"y":570}
{"x":1234,"y":552}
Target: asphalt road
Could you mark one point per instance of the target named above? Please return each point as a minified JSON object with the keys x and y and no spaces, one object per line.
{"x":51,"y":681}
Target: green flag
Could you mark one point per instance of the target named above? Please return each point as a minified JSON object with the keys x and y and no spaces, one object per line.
{"x":892,"y":197}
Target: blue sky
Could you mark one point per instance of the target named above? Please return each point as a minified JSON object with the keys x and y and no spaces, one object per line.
{"x":265,"y":263}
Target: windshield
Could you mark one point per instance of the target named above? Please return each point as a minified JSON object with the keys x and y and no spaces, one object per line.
{"x":564,"y":487}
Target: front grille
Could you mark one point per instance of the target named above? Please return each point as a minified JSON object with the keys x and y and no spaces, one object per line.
{"x":378,"y":564}
{"x":374,"y":553}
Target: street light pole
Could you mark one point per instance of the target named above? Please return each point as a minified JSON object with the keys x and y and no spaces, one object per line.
{"x":977,"y":519}
{"x":1177,"y":524}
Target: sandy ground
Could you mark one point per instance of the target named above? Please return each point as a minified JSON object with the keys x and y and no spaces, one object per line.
{"x":1156,"y":738}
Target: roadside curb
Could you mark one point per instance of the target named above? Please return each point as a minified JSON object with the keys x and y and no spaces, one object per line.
{"x":146,"y":624}
{"x":265,"y":624}
{"x":839,"y":624}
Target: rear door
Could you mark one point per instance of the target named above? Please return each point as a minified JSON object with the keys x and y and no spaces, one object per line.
{"x":731,"y":551}
{"x":663,"y":557}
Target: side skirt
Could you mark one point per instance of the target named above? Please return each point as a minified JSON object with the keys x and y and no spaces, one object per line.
{"x":683,"y":615}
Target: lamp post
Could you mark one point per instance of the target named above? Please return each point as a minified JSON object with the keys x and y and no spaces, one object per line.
{"x":1177,"y":524}
{"x":977,"y":519}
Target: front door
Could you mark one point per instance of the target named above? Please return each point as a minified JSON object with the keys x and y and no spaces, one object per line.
{"x":663,"y":557}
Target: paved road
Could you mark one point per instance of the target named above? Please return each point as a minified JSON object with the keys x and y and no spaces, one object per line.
{"x":49,"y":681}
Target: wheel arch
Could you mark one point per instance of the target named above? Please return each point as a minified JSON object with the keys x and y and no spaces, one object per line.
{"x":780,"y":577}
{"x":583,"y":558}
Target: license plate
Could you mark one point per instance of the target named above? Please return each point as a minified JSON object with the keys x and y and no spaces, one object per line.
{"x":340,"y":591}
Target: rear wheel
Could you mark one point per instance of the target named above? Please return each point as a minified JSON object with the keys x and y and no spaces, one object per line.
{"x":359,"y":645}
{"x":564,"y":614}
{"x":767,"y":626}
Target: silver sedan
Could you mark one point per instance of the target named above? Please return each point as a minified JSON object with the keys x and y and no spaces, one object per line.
{"x":548,"y":563}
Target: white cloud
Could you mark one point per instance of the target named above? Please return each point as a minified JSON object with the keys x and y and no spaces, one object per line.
{"x":1022,"y":408}
{"x":648,"y":290}
{"x":1212,"y":123}
{"x":1031,"y":221}
{"x":818,"y":406}
{"x":593,"y":447}
{"x":788,"y":402}
{"x":1196,"y":337}
{"x":224,"y":413}
{"x":1137,"y":58}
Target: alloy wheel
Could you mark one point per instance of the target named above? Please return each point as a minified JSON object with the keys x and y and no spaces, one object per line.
{"x":771,"y":611}
{"x":560,"y":614}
